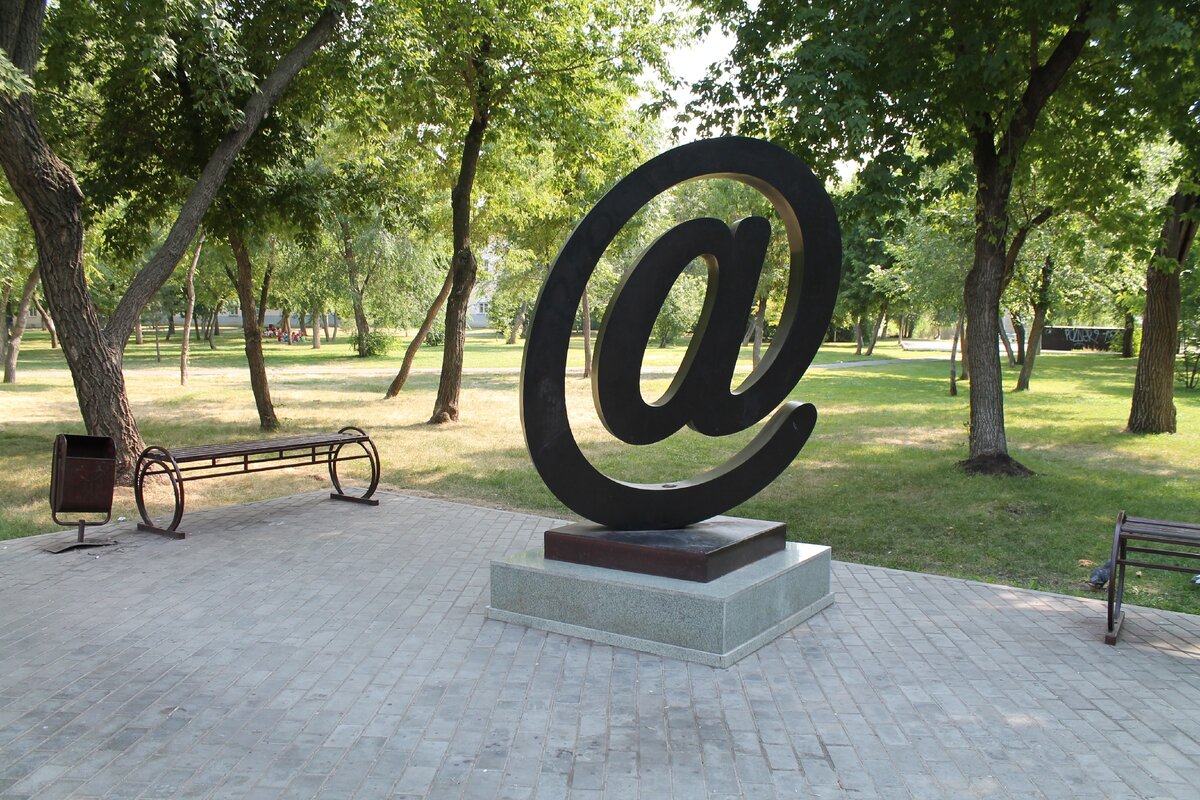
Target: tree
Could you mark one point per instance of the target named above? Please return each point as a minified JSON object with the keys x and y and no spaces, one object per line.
{"x":47,"y":188}
{"x":861,"y":80}
{"x":532,"y":69}
{"x":1171,"y":76}
{"x":1153,"y":406}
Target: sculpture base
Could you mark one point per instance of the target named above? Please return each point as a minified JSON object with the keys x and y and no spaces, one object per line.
{"x":701,"y":552}
{"x":715,"y":623}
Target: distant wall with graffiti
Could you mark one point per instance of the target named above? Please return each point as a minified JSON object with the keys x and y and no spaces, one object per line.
{"x":1063,"y":338}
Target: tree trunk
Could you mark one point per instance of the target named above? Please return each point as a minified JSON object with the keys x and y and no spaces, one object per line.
{"x":981,"y":358}
{"x":356,"y":289}
{"x":419,"y":339}
{"x":1153,"y":407}
{"x":264,"y":295}
{"x":54,"y":203}
{"x":170,"y":326}
{"x":138,"y":336}
{"x":254,"y":354}
{"x":463,"y":268}
{"x":47,"y":322}
{"x":1127,"y":337}
{"x":1033,"y":347}
{"x":303,"y":326}
{"x":1040,"y":308}
{"x":337,"y":320}
{"x":880,"y":323}
{"x":18,"y":328}
{"x":1019,"y":330}
{"x":900,"y":323}
{"x":760,"y":319}
{"x":188,"y":311}
{"x":858,"y":334}
{"x":587,"y":335}
{"x":47,"y":189}
{"x":1012,"y":361}
{"x":210,"y":325}
{"x":157,"y":347}
{"x":5,"y":307}
{"x":958,"y":329}
{"x":316,"y":329}
{"x":518,"y":322}
{"x":325,"y":325}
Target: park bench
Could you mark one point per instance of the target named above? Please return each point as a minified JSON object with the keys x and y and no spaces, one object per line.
{"x":1130,"y":549}
{"x":183,"y":464}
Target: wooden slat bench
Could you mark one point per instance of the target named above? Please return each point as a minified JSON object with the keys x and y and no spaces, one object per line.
{"x":184,"y":464}
{"x":1131,"y":549}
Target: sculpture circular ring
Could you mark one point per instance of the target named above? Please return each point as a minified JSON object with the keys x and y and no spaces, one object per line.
{"x":815,"y":246}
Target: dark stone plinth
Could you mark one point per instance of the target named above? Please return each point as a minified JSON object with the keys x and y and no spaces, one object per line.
{"x":702,"y":552}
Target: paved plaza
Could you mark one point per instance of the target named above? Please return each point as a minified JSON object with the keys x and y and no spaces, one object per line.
{"x":302,"y":647}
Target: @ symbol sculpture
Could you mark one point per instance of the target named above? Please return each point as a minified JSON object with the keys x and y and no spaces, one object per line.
{"x":700,"y":394}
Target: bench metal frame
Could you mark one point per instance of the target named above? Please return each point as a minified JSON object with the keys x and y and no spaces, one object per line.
{"x":1128,"y":552}
{"x":184,"y":464}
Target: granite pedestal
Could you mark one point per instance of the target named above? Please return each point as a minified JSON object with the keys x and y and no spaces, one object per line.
{"x":715,"y":623}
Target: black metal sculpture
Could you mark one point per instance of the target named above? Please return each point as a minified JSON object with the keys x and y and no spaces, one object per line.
{"x":700,"y":395}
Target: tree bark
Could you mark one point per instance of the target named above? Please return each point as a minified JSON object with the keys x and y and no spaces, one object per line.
{"x":463,"y":268}
{"x":1019,"y":329}
{"x":254,"y":354}
{"x":47,"y":322}
{"x":880,"y":323}
{"x":587,"y":335}
{"x":958,"y":329}
{"x":1008,"y":350}
{"x":858,"y":334}
{"x":51,"y":197}
{"x":138,"y":336}
{"x":760,"y":319}
{"x":1127,"y":337}
{"x":419,"y":339}
{"x":188,"y":311}
{"x":1153,"y":406}
{"x":265,"y":293}
{"x":316,"y":329}
{"x":13,"y":347}
{"x":518,"y":322}
{"x":5,"y":308}
{"x":1041,"y":308}
{"x":357,"y":287}
{"x":210,"y":325}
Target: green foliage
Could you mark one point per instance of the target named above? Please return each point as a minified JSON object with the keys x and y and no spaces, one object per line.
{"x":681,"y":310}
{"x":378,"y":343}
{"x":13,"y":81}
{"x":435,"y":338}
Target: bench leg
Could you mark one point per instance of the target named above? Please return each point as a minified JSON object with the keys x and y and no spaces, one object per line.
{"x":1115,"y":631}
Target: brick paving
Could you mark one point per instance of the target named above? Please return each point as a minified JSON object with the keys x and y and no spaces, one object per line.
{"x":306,"y":648}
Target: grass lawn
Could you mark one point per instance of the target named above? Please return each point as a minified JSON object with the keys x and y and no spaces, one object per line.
{"x":877,"y":481}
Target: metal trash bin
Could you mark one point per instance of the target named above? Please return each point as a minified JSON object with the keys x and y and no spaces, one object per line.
{"x":82,"y":477}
